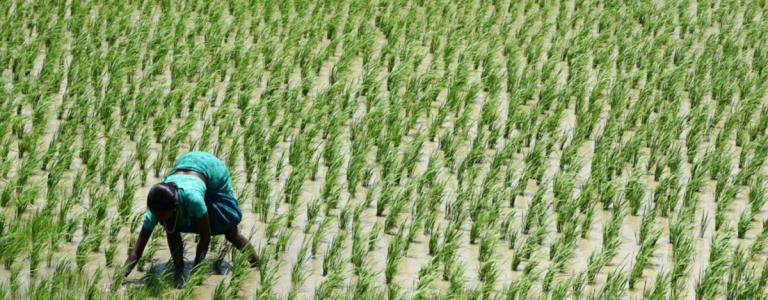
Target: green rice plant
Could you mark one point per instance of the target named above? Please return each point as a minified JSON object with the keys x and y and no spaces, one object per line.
{"x":710,"y":283}
{"x":293,"y":184}
{"x":739,"y":278}
{"x":24,"y":171}
{"x":290,"y":216}
{"x":298,"y":272}
{"x":345,"y":215}
{"x":455,"y":277}
{"x":664,"y":194}
{"x":373,"y":236}
{"x":27,"y":197}
{"x":608,"y":194}
{"x":157,"y":164}
{"x":634,"y":192}
{"x":363,"y":285}
{"x":6,"y":194}
{"x":682,"y":255}
{"x":395,"y":252}
{"x":487,"y":246}
{"x":757,"y":194}
{"x":391,"y":220}
{"x":313,"y":210}
{"x":273,"y":227}
{"x":596,"y":261}
{"x":531,"y":273}
{"x":411,"y":157}
{"x":333,"y":252}
{"x":565,"y":213}
{"x":127,"y":195}
{"x":641,"y":258}
{"x":763,"y":275}
{"x":385,"y":197}
{"x":449,"y":145}
{"x":426,"y":276}
{"x":703,"y":224}
{"x":759,"y":244}
{"x":269,"y":278}
{"x":359,"y":248}
{"x":221,"y":252}
{"x":586,"y":222}
{"x":560,"y":291}
{"x":261,"y":201}
{"x":142,"y":150}
{"x":413,"y":228}
{"x":611,"y":230}
{"x":109,"y":254}
{"x":549,"y":276}
{"x":281,"y":163}
{"x":83,"y":249}
{"x":614,"y":287}
{"x":659,"y":289}
{"x":488,"y":273}
{"x":562,"y":189}
{"x":15,"y":279}
{"x":451,"y":237}
{"x":646,"y":225}
{"x":330,"y":283}
{"x":744,"y":223}
{"x":434,"y":241}
{"x":477,"y":226}
{"x":536,"y":210}
{"x":562,"y":249}
{"x":282,"y":240}
{"x":524,"y":251}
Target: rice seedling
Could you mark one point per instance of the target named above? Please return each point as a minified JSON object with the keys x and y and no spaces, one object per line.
{"x":333,"y":252}
{"x":330,"y":283}
{"x":720,"y":259}
{"x":196,"y":277}
{"x":659,"y":288}
{"x":427,"y":273}
{"x":269,"y":277}
{"x":703,"y":224}
{"x":744,"y":223}
{"x":614,"y":285}
{"x":395,"y":252}
{"x":641,"y":258}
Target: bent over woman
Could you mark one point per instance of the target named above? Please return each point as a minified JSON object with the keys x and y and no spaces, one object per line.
{"x":195,"y":197}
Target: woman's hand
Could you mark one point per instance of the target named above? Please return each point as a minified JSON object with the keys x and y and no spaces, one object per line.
{"x":130,"y":263}
{"x":178,"y":278}
{"x":135,"y":254}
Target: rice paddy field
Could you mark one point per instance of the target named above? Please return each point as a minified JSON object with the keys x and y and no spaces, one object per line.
{"x":392,"y":149}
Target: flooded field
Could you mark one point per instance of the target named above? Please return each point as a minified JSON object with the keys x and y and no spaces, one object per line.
{"x":391,"y":149}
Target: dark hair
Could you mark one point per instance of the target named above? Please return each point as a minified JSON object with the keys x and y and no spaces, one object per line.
{"x":162,"y":196}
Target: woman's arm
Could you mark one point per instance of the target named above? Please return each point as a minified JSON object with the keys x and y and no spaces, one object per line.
{"x":204,"y":229}
{"x":135,"y":254}
{"x":176,"y":245}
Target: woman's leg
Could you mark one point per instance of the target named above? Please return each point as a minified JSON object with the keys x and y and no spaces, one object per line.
{"x":241,"y":242}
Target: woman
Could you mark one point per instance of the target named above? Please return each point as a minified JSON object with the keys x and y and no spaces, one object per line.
{"x":195,"y":197}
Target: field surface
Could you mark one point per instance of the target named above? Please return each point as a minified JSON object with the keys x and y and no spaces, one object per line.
{"x":392,"y":149}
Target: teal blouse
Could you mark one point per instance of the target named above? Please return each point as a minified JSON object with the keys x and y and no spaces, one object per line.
{"x":191,"y":202}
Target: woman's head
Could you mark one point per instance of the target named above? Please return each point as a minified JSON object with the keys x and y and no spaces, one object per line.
{"x":162,"y":200}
